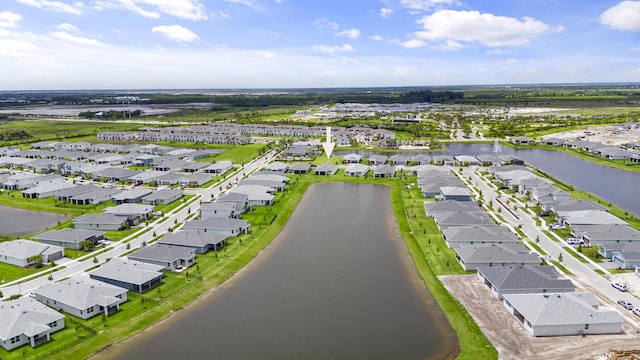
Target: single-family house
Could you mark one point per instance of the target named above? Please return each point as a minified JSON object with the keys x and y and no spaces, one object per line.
{"x":131,"y":196}
{"x":378,"y":159}
{"x":277,"y":166}
{"x":66,"y":194}
{"x":240,"y":201}
{"x":457,"y":236}
{"x":461,"y":218}
{"x":168,"y":256}
{"x":220,"y":226}
{"x":114,"y":174}
{"x":162,"y":196}
{"x":553,"y":141}
{"x":194,"y":167}
{"x":217,"y":209}
{"x":195,"y":180}
{"x":199,"y":241}
{"x":45,"y":191}
{"x":456,"y":193}
{"x":626,"y":259}
{"x":399,"y":159}
{"x":82,"y":297}
{"x":24,"y":253}
{"x":128,"y":274}
{"x":100,"y":222}
{"x":605,"y":234}
{"x":27,"y":321}
{"x":300,"y":168}
{"x":525,"y":279}
{"x":606,"y":250}
{"x":326,"y":169}
{"x":257,"y":194}
{"x":94,"y":197}
{"x":171,"y":178}
{"x":70,"y":238}
{"x":146,"y":177}
{"x":588,"y":217}
{"x":352,"y":159}
{"x":384,"y":171}
{"x":464,"y":160}
{"x":274,"y":185}
{"x":134,"y":213}
{"x":219,"y":168}
{"x":432,"y":207}
{"x":522,"y":140}
{"x":563,"y":314}
{"x":472,"y":256}
{"x":356,"y":170}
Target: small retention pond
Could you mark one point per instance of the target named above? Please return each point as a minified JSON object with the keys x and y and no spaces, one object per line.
{"x":337,"y":283}
{"x":18,"y":222}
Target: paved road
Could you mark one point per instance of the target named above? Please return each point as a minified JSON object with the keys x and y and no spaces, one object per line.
{"x":78,"y":266}
{"x":583,"y":274}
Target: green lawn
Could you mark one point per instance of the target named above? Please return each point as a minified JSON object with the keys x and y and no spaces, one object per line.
{"x":12,"y":272}
{"x":241,"y":154}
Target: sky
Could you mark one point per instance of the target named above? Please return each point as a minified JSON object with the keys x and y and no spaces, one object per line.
{"x":216,"y":44}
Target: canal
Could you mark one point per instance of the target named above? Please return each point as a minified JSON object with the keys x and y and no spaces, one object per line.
{"x":336,"y":283}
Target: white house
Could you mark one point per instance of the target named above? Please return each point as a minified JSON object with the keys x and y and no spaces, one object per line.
{"x":562,"y":314}
{"x":26,"y":321}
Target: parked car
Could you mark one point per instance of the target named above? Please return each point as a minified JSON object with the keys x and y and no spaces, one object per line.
{"x":575,"y":241}
{"x":620,"y":286}
{"x":636,"y":311}
{"x":544,"y":213}
{"x":557,"y":226}
{"x":625,"y":304}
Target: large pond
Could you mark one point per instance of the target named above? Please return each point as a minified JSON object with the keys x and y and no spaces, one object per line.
{"x":337,"y":283}
{"x":617,"y":186}
{"x":19,"y":222}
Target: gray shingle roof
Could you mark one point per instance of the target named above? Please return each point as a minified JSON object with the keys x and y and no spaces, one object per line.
{"x":25,"y":316}
{"x":558,"y":309}
{"x":479,"y":233}
{"x":23,"y":249}
{"x":81,"y":293}
{"x":217,"y":223}
{"x":69,"y":235}
{"x":525,"y":277}
{"x":498,"y":253}
{"x":129,"y":271}
{"x":187,"y":238}
{"x":165,"y":253}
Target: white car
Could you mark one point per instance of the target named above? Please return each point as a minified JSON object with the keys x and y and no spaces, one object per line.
{"x":575,"y":241}
{"x":625,"y":304}
{"x":620,"y":286}
{"x":636,"y":311}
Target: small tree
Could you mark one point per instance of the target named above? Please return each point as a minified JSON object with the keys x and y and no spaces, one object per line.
{"x":560,"y":257}
{"x":95,"y":259}
{"x":538,"y":238}
{"x":128,"y":246}
{"x":50,"y":278}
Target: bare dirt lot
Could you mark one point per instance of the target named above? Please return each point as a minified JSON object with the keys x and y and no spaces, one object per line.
{"x":511,"y":339}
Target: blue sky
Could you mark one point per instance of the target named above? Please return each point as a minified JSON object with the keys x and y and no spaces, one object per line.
{"x":144,"y":44}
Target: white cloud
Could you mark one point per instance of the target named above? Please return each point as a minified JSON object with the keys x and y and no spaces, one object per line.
{"x":253,"y":5}
{"x":183,"y":9}
{"x":625,"y":16}
{"x":9,"y":19}
{"x":54,"y":6}
{"x":509,"y":61}
{"x":324,"y":23}
{"x":385,"y":12}
{"x":267,"y":54}
{"x":66,"y":27}
{"x":423,"y":5}
{"x":350,"y":33}
{"x":413,"y":43}
{"x":498,"y":52}
{"x":484,"y":28}
{"x":176,"y":33}
{"x":376,"y":38}
{"x":636,"y":49}
{"x":220,"y":15}
{"x":334,"y":49}
{"x":75,"y":39}
{"x":450,"y":45}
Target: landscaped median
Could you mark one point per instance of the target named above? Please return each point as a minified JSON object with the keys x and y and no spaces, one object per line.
{"x":424,"y":242}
